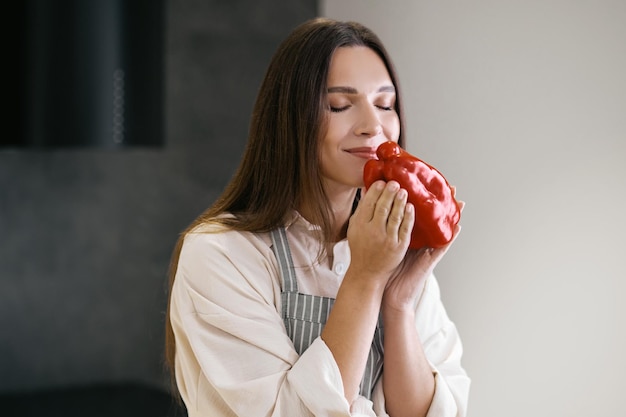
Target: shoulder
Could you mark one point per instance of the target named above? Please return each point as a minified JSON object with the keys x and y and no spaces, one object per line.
{"x":214,"y":256}
{"x":214,"y":244}
{"x":220,"y":236}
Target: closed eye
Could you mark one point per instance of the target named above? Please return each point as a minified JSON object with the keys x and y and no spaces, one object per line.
{"x":339,"y":109}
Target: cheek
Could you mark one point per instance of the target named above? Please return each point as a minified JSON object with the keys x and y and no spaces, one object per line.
{"x":339,"y":125}
{"x":331,"y":134}
{"x":392,"y":127}
{"x":326,"y":149}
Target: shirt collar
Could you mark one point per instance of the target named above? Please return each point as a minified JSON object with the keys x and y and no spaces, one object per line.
{"x":297,"y":220}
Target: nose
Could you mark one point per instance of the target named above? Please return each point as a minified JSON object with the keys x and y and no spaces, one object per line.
{"x":368,"y":123}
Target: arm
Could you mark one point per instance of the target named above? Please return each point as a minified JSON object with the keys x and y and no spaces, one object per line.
{"x":408,"y":379}
{"x":233,"y":356}
{"x":412,"y":383}
{"x":378,"y":234}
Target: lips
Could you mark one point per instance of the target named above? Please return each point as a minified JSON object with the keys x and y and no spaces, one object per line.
{"x":363,"y":152}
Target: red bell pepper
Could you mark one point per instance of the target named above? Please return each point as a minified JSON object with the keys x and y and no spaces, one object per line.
{"x":436,"y":210}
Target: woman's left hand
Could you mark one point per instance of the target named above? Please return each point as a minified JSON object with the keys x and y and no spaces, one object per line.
{"x":406,"y":284}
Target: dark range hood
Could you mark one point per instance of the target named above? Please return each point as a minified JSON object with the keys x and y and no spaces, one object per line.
{"x":91,"y":74}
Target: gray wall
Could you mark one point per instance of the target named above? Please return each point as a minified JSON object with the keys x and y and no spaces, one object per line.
{"x":86,"y":234}
{"x":522,"y":104}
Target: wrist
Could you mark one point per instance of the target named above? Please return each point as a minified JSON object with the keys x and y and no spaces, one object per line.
{"x":365,"y":282}
{"x":398,"y":313}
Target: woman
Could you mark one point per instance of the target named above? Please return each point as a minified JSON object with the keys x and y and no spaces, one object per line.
{"x":293,"y":295}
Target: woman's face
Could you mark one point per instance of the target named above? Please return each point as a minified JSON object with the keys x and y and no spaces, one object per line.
{"x":361,"y":115}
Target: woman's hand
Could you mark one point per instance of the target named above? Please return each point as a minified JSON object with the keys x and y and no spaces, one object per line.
{"x":379,"y":231}
{"x":407,"y":282}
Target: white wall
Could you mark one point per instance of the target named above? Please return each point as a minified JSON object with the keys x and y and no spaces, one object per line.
{"x":522,"y":105}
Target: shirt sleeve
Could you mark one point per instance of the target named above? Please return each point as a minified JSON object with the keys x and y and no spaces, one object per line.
{"x":443,"y":349}
{"x":233,"y":356}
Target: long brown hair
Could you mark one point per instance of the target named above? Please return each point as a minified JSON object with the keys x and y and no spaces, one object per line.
{"x":280,"y":164}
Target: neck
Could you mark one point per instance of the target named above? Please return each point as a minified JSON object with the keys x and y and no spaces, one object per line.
{"x":341,"y":208}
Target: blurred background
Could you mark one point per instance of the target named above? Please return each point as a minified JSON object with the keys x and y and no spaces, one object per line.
{"x":132,"y":115}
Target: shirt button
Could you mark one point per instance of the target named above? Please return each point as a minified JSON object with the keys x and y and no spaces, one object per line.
{"x":340,"y":268}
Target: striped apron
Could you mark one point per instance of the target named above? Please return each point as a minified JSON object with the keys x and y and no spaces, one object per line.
{"x":305,"y":315}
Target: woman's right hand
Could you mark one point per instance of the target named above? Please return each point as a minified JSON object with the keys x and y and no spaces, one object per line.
{"x":379,"y":231}
{"x":378,"y":235}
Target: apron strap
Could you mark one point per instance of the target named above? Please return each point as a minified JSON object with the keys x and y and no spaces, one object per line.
{"x":289,"y":283}
{"x":280,"y":246}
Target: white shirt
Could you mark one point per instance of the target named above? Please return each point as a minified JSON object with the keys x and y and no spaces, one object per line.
{"x":233,"y":356}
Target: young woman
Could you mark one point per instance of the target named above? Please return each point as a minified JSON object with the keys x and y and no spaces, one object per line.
{"x":295,"y":294}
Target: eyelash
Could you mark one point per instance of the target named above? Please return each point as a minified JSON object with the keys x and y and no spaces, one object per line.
{"x":340,"y":109}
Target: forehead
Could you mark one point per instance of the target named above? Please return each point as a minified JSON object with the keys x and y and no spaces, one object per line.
{"x":357,"y":66}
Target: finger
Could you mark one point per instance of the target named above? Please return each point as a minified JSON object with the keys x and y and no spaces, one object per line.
{"x":439,"y":252}
{"x":397,"y":213}
{"x":385,"y":203}
{"x":457,"y":230}
{"x":428,"y":258}
{"x":367,"y":204}
{"x":408,"y":220}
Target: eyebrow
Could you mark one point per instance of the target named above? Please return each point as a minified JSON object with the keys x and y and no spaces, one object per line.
{"x":351,"y":90}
